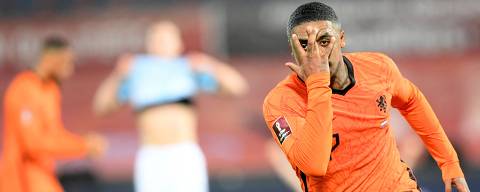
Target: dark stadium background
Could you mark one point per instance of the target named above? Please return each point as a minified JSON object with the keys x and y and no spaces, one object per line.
{"x":436,"y":44}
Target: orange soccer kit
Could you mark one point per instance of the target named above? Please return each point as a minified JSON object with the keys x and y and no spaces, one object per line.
{"x":341,"y":140}
{"x":34,"y":136}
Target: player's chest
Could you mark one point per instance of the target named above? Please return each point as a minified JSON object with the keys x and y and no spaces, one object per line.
{"x":46,"y":105}
{"x":362,"y":107}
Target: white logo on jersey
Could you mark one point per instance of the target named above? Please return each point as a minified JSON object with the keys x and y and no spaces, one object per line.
{"x":383,"y":124}
{"x":277,"y":125}
{"x":26,"y":116}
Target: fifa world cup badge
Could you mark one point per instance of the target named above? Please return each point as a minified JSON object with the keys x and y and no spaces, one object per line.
{"x":282,"y":129}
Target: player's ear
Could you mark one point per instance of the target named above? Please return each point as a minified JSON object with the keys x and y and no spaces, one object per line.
{"x":343,"y":43}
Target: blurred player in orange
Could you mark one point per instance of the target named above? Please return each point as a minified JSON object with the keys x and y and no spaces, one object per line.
{"x":160,"y":86}
{"x":331,"y":115}
{"x":34,"y":136}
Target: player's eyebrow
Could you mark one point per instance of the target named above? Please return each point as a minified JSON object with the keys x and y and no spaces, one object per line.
{"x":324,"y":36}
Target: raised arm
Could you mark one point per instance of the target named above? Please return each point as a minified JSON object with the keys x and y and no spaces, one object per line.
{"x":413,"y":105}
{"x":306,"y":140}
{"x":231,"y":82}
{"x":106,"y":98}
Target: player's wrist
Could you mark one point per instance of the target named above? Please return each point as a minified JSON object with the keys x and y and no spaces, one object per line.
{"x":319,"y":79}
{"x":313,"y":69}
{"x":451,"y":171}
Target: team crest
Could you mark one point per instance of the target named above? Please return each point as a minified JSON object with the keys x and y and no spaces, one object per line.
{"x":382,"y":103}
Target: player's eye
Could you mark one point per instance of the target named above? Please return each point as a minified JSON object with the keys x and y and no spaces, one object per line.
{"x":303,"y":43}
{"x":324,"y":42}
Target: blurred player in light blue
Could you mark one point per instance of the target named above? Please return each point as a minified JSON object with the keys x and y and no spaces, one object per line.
{"x":160,"y":86}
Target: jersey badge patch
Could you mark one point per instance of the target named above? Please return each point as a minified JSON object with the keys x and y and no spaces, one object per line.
{"x":282,"y":129}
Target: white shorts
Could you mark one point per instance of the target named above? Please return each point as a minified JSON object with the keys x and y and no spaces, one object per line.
{"x":171,"y":168}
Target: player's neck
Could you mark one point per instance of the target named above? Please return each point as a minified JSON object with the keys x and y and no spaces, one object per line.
{"x":42,"y":72}
{"x":339,"y":79}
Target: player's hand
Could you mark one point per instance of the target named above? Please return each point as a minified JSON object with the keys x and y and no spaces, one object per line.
{"x":457,"y":183}
{"x":312,"y":59}
{"x":123,"y":65}
{"x":96,"y":145}
{"x":201,"y":62}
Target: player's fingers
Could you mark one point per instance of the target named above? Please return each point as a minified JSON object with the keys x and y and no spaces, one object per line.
{"x":294,"y":67}
{"x":461,"y":188}
{"x":316,"y":48}
{"x":448,"y":186}
{"x":297,"y":48}
{"x":461,"y":185}
{"x":327,"y":51}
{"x":312,"y":41}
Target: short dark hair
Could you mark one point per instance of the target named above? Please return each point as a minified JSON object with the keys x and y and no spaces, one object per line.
{"x":313,"y":11}
{"x":53,"y":43}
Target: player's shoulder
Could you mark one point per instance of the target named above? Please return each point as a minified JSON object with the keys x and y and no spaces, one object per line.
{"x":282,"y":89}
{"x":140,"y":59}
{"x":148,"y":61}
{"x":23,"y":79}
{"x":282,"y":96}
{"x":376,"y":62}
{"x":378,"y":58}
{"x":21,"y":84}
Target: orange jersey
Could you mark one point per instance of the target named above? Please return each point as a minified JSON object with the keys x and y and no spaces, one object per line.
{"x":34,"y":136}
{"x":341,"y":140}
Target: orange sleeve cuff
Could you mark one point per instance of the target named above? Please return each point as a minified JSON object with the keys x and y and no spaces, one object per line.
{"x":451,"y":170}
{"x":321,"y":79}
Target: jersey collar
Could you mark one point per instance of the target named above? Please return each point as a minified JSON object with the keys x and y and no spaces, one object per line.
{"x":351,"y":76}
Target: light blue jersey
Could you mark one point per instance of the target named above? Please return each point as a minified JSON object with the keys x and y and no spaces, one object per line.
{"x":154,"y":80}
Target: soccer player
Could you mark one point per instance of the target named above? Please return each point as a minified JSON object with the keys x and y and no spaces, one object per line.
{"x":331,"y":115}
{"x":160,"y":86}
{"x":34,"y":136}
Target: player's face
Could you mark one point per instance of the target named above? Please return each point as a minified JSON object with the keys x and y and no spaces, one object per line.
{"x":326,"y":29}
{"x":164,"y":39}
{"x":62,"y":62}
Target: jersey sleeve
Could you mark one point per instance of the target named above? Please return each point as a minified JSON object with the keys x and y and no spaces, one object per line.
{"x":123,"y":91}
{"x":206,"y":81}
{"x":39,"y":138}
{"x":413,"y":105}
{"x":306,"y":139}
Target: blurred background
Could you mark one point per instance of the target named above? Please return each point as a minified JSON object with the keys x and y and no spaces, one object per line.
{"x":436,"y":45}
